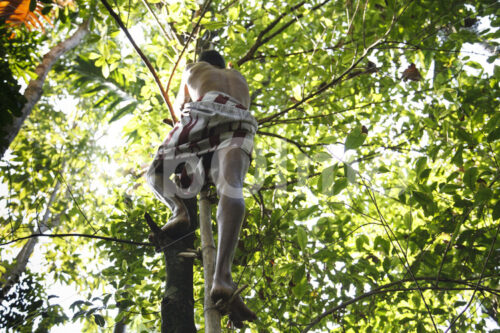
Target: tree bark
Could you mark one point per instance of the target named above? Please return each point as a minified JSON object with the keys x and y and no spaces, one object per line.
{"x":177,"y":307}
{"x":35,"y":87}
{"x":208,"y":251}
{"x":11,"y":277}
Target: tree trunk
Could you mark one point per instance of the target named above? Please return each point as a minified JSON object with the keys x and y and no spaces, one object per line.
{"x":12,"y":276}
{"x":35,"y":87}
{"x":208,"y":251}
{"x":177,"y":307}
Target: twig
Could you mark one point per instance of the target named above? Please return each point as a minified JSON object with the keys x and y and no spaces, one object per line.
{"x":295,"y":143}
{"x":74,"y":200}
{"x":259,"y":41}
{"x":78,"y":235}
{"x":164,"y":93}
{"x":405,"y":262}
{"x":162,"y":28}
{"x":451,"y":242}
{"x":290,"y":120}
{"x":335,"y":80}
{"x":385,"y":289}
{"x":205,"y":7}
{"x":453,"y":322}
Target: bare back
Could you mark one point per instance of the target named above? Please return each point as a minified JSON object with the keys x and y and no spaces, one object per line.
{"x":203,"y":77}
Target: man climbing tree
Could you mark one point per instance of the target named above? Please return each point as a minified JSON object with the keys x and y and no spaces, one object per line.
{"x":212,"y":141}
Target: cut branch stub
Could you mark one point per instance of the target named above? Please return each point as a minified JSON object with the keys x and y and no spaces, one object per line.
{"x":158,"y":237}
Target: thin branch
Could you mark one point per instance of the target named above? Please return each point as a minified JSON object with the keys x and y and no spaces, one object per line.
{"x":290,"y":182}
{"x":414,"y":47}
{"x":163,"y":92}
{"x":336,"y":46}
{"x":295,"y":143}
{"x":291,"y":120}
{"x":204,"y":10}
{"x":78,"y":235}
{"x":167,"y":35}
{"x":349,"y":30}
{"x":453,"y":322}
{"x":280,"y":30}
{"x":405,"y":262}
{"x":335,"y":80}
{"x":451,"y":242}
{"x":385,"y":289}
{"x":259,"y":41}
{"x":364,"y":26}
{"x":59,"y":174}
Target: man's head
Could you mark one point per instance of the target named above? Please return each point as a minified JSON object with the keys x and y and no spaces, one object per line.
{"x":213,"y":58}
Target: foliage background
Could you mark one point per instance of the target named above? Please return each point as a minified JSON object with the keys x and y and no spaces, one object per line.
{"x":372,"y":200}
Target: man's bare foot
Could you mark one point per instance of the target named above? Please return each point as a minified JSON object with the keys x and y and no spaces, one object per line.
{"x":238,"y":311}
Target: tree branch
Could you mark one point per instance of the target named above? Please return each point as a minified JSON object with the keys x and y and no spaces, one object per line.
{"x":259,"y":41}
{"x":203,"y":11}
{"x":291,"y":120}
{"x":35,"y":87}
{"x":295,"y":143}
{"x":385,"y":289}
{"x":339,"y":78}
{"x":478,"y":285}
{"x":163,"y":92}
{"x":169,"y":35}
{"x":112,"y":239}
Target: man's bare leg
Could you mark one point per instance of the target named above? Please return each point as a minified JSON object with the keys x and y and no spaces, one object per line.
{"x":178,"y":224}
{"x":233,"y":165}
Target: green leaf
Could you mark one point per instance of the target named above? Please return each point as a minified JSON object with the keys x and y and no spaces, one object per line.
{"x":302,"y":238}
{"x":46,"y":10}
{"x":360,"y":240}
{"x":32,"y":5}
{"x":105,"y":70}
{"x":483,"y":194}
{"x":449,"y":188}
{"x":474,"y":65}
{"x":300,"y":289}
{"x":382,"y":243}
{"x":470,"y":178}
{"x":422,"y":198}
{"x":214,"y":25}
{"x":93,"y":56}
{"x":494,"y":135}
{"x":355,"y":139}
{"x":463,"y":135}
{"x":350,"y":173}
{"x":420,"y":165}
{"x":298,"y":274}
{"x":339,"y":185}
{"x":383,"y":169}
{"x":327,"y":177}
{"x":99,"y":320}
{"x":123,"y":111}
{"x":496,"y":211}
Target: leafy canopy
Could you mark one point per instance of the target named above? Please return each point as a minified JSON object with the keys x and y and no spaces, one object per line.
{"x":372,"y":201}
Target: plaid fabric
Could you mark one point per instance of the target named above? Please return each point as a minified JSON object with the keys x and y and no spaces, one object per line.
{"x":214,"y":122}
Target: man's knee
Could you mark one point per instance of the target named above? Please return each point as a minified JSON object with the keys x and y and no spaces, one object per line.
{"x":233,"y":165}
{"x":230,"y":207}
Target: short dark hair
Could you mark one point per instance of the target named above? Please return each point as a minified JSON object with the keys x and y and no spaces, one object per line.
{"x":213,"y":58}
